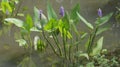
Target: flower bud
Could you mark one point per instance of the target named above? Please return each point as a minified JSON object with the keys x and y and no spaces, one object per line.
{"x":99,"y":12}
{"x":62,"y":12}
{"x":40,"y":13}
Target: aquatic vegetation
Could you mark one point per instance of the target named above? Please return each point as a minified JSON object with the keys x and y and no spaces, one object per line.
{"x":99,"y":12}
{"x":62,"y":36}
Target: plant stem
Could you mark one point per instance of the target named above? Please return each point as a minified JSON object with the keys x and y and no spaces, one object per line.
{"x":19,"y":6}
{"x":64,"y":44}
{"x":57,"y":43}
{"x":49,"y":43}
{"x":43,"y":33}
{"x":30,"y":42}
{"x":71,"y":42}
{"x":70,"y":52}
{"x":92,"y":38}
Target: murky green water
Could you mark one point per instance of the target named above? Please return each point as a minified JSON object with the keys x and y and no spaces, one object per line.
{"x":10,"y":51}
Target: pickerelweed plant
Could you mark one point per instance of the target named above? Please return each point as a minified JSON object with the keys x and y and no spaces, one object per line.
{"x":61,"y":34}
{"x":8,"y":8}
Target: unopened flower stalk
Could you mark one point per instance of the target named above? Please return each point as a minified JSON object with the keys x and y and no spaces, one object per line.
{"x":99,"y":12}
{"x":62,"y":12}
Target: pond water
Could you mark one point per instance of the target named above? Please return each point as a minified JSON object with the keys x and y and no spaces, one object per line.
{"x":10,"y":51}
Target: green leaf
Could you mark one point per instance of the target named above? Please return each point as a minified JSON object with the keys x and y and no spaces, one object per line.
{"x":21,"y":42}
{"x":103,"y":20}
{"x":84,"y":55}
{"x":4,"y":0}
{"x":69,"y":35}
{"x":39,"y":44}
{"x":36,"y":15}
{"x":6,"y":6}
{"x":51,"y":13}
{"x":17,"y":22}
{"x":39,"y":22}
{"x":100,"y":30}
{"x":29,"y":21}
{"x":64,"y":28}
{"x":85,"y":21}
{"x":75,"y":29}
{"x":34,"y":29}
{"x":81,"y":54}
{"x":20,"y":14}
{"x":98,"y":47}
{"x":84,"y":35}
{"x":73,"y":14}
{"x":90,"y":64}
{"x":52,"y":25}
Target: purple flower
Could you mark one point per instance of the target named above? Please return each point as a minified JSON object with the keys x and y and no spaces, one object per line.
{"x":62,"y":12}
{"x":99,"y":12}
{"x":40,"y":14}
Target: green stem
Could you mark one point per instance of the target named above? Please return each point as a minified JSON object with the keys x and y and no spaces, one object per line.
{"x":49,"y":43}
{"x":71,"y":42}
{"x":70,"y":52}
{"x":77,"y":47}
{"x":57,"y":43}
{"x":30,"y":42}
{"x":19,"y":6}
{"x":43,"y":33}
{"x":92,"y":38}
{"x":64,"y":44}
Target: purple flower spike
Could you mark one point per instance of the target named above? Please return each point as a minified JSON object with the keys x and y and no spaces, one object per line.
{"x":62,"y":12}
{"x":99,"y":12}
{"x":40,"y":13}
